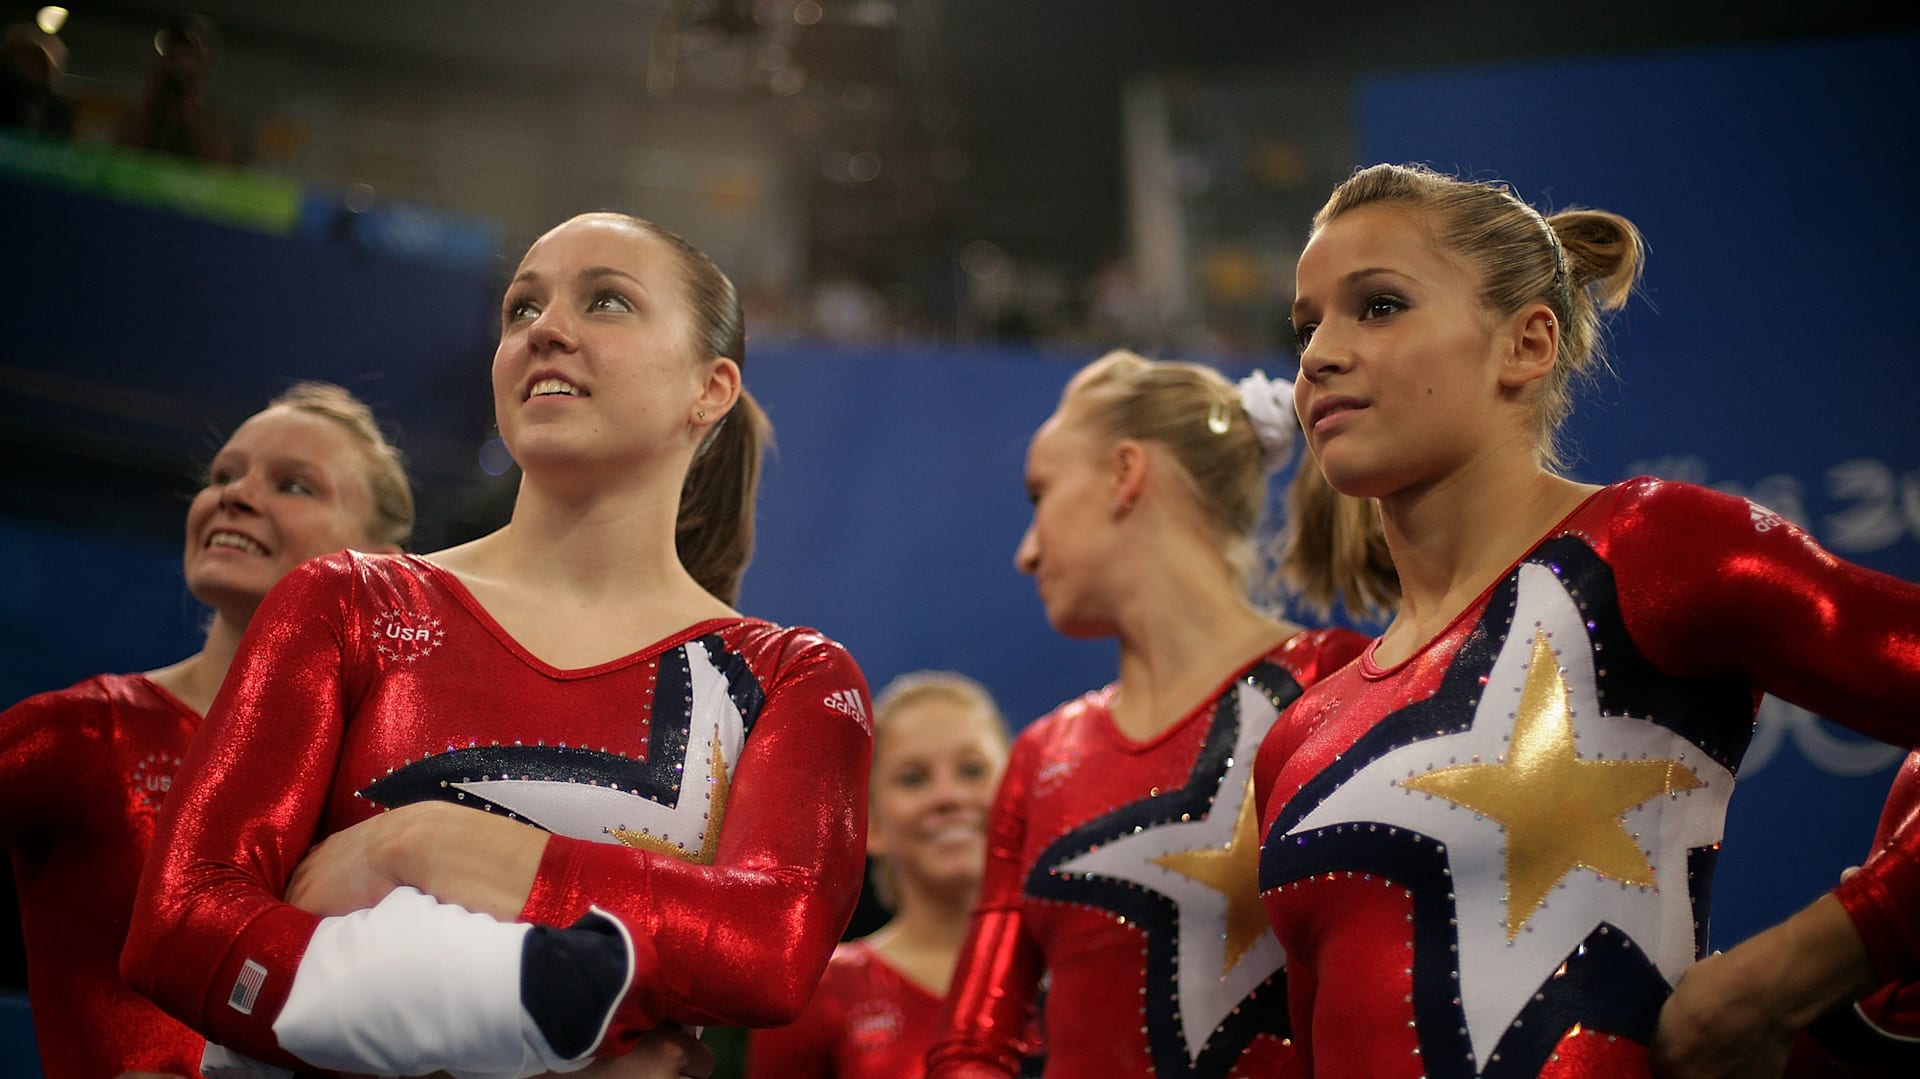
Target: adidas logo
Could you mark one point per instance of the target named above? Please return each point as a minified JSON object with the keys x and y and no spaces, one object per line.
{"x":1764,"y":519}
{"x":848,"y":702}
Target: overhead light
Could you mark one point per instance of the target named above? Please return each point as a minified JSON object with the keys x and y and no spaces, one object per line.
{"x":51,"y":19}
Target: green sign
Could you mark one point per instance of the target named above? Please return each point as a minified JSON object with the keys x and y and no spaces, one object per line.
{"x":217,"y":193}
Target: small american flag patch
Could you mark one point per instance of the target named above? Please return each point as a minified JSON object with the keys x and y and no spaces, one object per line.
{"x":246,"y":988}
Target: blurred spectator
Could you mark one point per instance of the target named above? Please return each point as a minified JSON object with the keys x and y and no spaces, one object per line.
{"x":1119,"y":311}
{"x":27,"y":97}
{"x":172,"y":116}
{"x":846,"y":309}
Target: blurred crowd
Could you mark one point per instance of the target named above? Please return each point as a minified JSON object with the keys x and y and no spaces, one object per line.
{"x":169,"y":113}
{"x":972,"y":291}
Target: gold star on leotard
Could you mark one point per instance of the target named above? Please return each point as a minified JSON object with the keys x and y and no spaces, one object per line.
{"x":1559,"y":812}
{"x":709,"y":838}
{"x":1234,"y":872}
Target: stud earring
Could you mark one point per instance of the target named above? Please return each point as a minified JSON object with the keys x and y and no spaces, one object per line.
{"x":700,"y":415}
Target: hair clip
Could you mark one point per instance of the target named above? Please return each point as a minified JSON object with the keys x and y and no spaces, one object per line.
{"x":1219,"y":420}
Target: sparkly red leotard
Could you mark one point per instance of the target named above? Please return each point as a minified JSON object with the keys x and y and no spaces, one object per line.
{"x":1879,"y":1038}
{"x":866,"y":1021}
{"x":1493,"y":858}
{"x":82,"y":773}
{"x":371,"y":681}
{"x":1125,"y":871}
{"x":1884,"y":896}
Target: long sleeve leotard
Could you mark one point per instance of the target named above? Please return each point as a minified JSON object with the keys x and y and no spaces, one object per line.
{"x":1494,"y":858}
{"x":1124,"y":872}
{"x":83,"y":772}
{"x":1879,"y":1036}
{"x":706,"y":792}
{"x":866,"y":1021}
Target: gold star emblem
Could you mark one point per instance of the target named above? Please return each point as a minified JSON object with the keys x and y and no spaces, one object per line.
{"x":709,"y":839}
{"x":1234,"y":872}
{"x":1559,"y":812}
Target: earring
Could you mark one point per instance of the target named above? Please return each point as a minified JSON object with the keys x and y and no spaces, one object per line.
{"x":700,"y":415}
{"x":1123,"y":505}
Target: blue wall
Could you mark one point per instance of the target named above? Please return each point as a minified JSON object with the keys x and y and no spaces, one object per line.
{"x":140,"y":330}
{"x":890,"y":515}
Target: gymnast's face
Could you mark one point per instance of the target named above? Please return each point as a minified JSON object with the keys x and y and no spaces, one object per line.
{"x":935,"y":762}
{"x":1400,"y":373}
{"x":1067,"y":548}
{"x":595,"y":368}
{"x":288,"y":486}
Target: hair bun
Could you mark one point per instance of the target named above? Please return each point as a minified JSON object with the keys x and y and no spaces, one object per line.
{"x":1268,"y":403}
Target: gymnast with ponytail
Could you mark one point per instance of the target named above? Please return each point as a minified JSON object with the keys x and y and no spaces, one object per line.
{"x":1121,"y":846}
{"x":1489,"y":843}
{"x":545,"y":798}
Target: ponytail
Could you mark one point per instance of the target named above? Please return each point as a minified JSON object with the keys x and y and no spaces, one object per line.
{"x":1334,"y":549}
{"x":714,"y":532}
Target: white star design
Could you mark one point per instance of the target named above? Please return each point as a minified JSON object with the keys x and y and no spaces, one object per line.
{"x":1497,"y":975}
{"x":584,"y":812}
{"x":1210,"y":987}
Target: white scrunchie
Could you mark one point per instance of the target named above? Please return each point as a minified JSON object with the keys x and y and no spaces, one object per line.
{"x":1269,"y":404}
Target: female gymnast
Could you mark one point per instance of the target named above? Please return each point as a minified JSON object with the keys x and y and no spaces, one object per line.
{"x":938,"y":747}
{"x":1122,"y":848}
{"x":1488,"y":843}
{"x":84,"y":770}
{"x":594,"y":799}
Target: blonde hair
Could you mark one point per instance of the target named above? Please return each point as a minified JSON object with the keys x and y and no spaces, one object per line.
{"x":920,"y":686}
{"x":386,"y":470}
{"x":1168,"y":402}
{"x":1326,"y":550}
{"x":1334,"y":549}
{"x":1580,"y":263}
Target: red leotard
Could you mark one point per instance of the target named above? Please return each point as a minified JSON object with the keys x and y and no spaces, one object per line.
{"x":866,"y":1021}
{"x":367,"y":681}
{"x":82,"y":773}
{"x":1493,"y":858}
{"x":1125,"y":872}
{"x":1884,"y":899}
{"x":1879,"y":1038}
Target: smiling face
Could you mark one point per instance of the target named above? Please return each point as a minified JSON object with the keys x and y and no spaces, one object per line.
{"x":1401,"y":367}
{"x":287,"y":487}
{"x":936,"y":760}
{"x":1071,"y":486}
{"x":596,"y":359}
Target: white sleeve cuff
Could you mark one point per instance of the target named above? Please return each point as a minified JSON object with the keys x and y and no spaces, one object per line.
{"x":413,"y":986}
